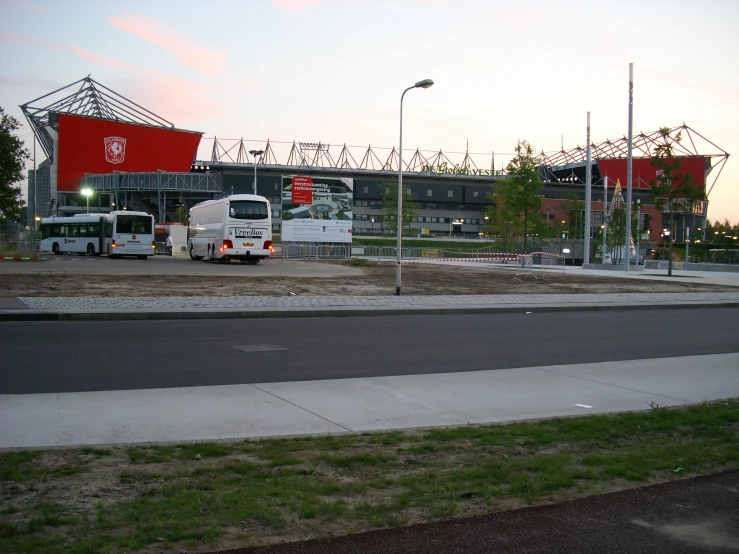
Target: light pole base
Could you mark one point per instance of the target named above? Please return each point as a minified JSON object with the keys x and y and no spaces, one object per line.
{"x":397,"y":291}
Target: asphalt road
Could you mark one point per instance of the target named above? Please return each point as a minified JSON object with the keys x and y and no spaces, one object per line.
{"x":72,"y":357}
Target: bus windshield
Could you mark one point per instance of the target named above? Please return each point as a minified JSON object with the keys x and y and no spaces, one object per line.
{"x":248,"y":209}
{"x":132,"y":224}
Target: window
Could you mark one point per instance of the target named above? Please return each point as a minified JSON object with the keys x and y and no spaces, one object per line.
{"x":277,"y":186}
{"x":450,"y":194}
{"x":247,"y":209}
{"x":475,"y":194}
{"x":429,"y":192}
{"x":132,"y":224}
{"x":366,"y":190}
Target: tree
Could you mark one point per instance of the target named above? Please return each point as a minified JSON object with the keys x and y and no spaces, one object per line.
{"x":617,"y":229}
{"x":499,"y":220}
{"x":12,"y":162}
{"x":517,"y":200}
{"x":180,"y":214}
{"x":673,"y":190}
{"x":390,"y":203}
{"x":575,"y":226}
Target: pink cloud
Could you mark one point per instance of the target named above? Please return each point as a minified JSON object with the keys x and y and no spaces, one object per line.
{"x":295,"y":5}
{"x":202,"y":59}
{"x":38,"y":8}
{"x":28,"y":82}
{"x":169,"y":95}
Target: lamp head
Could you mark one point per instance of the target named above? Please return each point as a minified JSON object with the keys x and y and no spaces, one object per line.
{"x":426,"y":83}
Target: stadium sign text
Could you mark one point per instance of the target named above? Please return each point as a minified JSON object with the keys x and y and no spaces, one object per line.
{"x":444,"y":168}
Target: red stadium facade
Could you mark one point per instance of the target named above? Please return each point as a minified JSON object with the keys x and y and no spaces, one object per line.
{"x":93,"y":145}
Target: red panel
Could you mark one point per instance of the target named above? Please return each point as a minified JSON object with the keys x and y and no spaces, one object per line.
{"x":91,"y":145}
{"x":643,"y":172}
{"x":302,"y":188}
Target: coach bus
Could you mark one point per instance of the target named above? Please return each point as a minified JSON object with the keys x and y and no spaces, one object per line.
{"x":237,"y":227}
{"x":82,"y":234}
{"x":129,"y":234}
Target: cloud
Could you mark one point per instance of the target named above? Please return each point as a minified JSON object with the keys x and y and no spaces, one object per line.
{"x":295,"y":5}
{"x":202,"y":59}
{"x":38,"y":8}
{"x":169,"y":95}
{"x":28,"y":82}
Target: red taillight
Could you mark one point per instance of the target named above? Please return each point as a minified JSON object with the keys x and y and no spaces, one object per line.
{"x":113,"y":244}
{"x":267,"y":244}
{"x":153,"y":245}
{"x":227,"y":244}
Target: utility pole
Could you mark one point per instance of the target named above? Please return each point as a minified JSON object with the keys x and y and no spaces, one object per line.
{"x":629,"y":161}
{"x":605,"y":219}
{"x":588,"y":200}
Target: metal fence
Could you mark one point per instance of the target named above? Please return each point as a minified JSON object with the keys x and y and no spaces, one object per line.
{"x":307,"y":251}
{"x":17,"y":241}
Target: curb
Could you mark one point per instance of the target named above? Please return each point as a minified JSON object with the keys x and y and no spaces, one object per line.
{"x":273,"y":313}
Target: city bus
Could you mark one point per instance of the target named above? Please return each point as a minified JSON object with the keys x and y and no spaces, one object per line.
{"x":81,"y":234}
{"x":237,"y":227}
{"x":116,"y":234}
{"x":129,"y":234}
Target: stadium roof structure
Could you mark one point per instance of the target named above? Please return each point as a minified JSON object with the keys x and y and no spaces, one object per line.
{"x":685,"y":142}
{"x":85,"y":97}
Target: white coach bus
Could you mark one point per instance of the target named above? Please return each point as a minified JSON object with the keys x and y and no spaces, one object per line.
{"x":82,"y":234}
{"x":129,"y":234}
{"x":238,"y":227}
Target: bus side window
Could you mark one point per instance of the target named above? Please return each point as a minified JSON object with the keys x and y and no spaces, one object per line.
{"x":108,"y":229}
{"x":63,"y":231}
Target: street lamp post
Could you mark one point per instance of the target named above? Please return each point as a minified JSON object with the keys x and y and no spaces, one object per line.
{"x":255,"y":153}
{"x":426,"y":83}
{"x":87,"y":193}
{"x":372,"y":219}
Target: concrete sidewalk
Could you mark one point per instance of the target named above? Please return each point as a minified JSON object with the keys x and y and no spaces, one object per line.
{"x":91,"y":308}
{"x":361,"y":404}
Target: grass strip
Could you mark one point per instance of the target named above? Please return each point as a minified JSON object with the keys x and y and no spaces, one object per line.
{"x":218,"y":495}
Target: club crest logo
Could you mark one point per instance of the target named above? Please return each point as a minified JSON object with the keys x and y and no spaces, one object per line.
{"x":115,"y":149}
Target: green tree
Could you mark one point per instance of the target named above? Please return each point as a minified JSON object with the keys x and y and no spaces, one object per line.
{"x":617,"y":229}
{"x":672,"y":190}
{"x":390,"y":204}
{"x":500,"y":221}
{"x":517,"y":200}
{"x":180,"y":214}
{"x":12,"y":162}
{"x":575,"y":222}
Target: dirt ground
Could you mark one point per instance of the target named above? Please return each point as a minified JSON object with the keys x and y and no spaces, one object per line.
{"x":375,"y":280}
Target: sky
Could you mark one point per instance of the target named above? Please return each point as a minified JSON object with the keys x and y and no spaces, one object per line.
{"x":334,"y":70}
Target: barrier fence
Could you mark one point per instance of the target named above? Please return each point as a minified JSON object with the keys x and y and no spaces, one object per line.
{"x":17,"y":242}
{"x":315,"y":252}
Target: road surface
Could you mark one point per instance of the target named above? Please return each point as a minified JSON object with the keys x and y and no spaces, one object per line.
{"x":77,"y":357}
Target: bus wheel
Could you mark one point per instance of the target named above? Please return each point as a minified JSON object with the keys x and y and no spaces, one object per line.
{"x":193,"y":256}
{"x":55,"y":248}
{"x":91,"y":249}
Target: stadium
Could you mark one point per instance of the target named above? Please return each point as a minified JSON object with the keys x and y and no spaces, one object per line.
{"x":94,"y":138}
